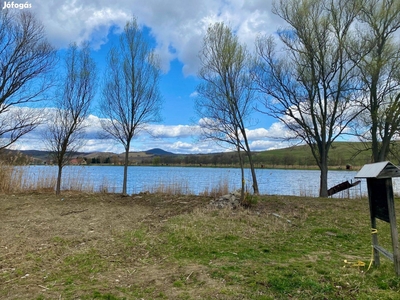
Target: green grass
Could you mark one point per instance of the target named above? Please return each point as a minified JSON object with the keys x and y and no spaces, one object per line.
{"x":265,"y":258}
{"x":218,"y":254}
{"x":262,"y":257}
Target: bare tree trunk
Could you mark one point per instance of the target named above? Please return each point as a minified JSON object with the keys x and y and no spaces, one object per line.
{"x":374,"y":127}
{"x":323,"y":183}
{"x":253,"y":175}
{"x":125,"y":179}
{"x":250,"y":156}
{"x":242,"y":176}
{"x":59,"y":175}
{"x":253,"y":172}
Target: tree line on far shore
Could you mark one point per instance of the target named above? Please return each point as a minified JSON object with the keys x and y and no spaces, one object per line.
{"x":344,"y":155}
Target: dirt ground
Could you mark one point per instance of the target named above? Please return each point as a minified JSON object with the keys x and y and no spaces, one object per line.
{"x":40,"y":231}
{"x":36,"y":226}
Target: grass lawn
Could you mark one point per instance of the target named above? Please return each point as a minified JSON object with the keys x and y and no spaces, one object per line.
{"x":153,"y":246}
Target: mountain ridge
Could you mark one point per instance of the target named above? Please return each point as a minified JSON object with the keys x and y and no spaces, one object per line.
{"x":342,"y":154}
{"x":158,"y":151}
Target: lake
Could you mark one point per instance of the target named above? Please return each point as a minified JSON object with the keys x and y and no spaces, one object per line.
{"x":196,"y":180}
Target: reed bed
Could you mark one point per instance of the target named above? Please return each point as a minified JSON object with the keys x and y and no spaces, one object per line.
{"x":14,"y":179}
{"x":10,"y":179}
{"x":174,"y":187}
{"x":221,"y":188}
{"x":171,"y":188}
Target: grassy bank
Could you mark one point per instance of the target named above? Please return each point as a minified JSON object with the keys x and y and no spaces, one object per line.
{"x":159,"y":246}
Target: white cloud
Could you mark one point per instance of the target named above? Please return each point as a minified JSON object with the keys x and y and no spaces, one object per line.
{"x":178,"y":26}
{"x":173,"y":131}
{"x":75,"y":21}
{"x":102,"y":145}
{"x":262,"y":145}
{"x":257,"y":133}
{"x":279,"y":131}
{"x":194,"y":94}
{"x":173,"y":138}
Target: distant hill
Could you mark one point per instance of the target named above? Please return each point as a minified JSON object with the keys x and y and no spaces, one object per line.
{"x":43,"y":157}
{"x":98,"y":154}
{"x":158,"y":151}
{"x":340,"y":155}
{"x":36,"y":154}
{"x":45,"y":154}
{"x":23,"y":157}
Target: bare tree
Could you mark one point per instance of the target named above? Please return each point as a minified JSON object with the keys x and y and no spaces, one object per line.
{"x":131,"y":98}
{"x":312,"y":86}
{"x":380,"y":74}
{"x":66,"y":127}
{"x":226,"y":93}
{"x":26,"y":59}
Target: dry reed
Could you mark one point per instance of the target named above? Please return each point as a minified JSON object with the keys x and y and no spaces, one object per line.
{"x":10,"y":178}
{"x":182,"y":188}
{"x":23,"y":179}
{"x":170,"y":188}
{"x":221,"y":188}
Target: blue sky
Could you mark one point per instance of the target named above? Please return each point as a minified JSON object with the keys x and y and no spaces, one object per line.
{"x":176,"y":28}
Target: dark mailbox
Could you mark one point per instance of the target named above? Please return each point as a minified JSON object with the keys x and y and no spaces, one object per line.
{"x":378,"y":190}
{"x":381,"y":205}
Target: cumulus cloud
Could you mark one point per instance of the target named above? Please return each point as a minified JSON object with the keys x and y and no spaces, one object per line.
{"x":257,"y":133}
{"x":173,"y":131}
{"x":174,"y":138}
{"x":262,"y":145}
{"x":194,"y":94}
{"x":177,"y":26}
{"x":76,"y":21}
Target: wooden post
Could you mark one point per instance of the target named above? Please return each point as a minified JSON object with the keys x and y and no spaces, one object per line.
{"x":381,"y":204}
{"x":393,"y":226}
{"x":375,"y":243}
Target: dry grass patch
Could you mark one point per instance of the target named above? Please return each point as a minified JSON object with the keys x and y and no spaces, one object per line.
{"x":163,"y":246}
{"x":10,"y":178}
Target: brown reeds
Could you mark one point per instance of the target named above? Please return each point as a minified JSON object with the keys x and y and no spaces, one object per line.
{"x":15,"y":179}
{"x":170,"y":188}
{"x":221,"y":188}
{"x":10,"y":178}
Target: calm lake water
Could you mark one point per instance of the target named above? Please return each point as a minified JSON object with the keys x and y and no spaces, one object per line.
{"x":197,"y":179}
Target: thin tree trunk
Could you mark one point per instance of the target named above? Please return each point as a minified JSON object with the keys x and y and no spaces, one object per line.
{"x":374,"y":119}
{"x":58,"y":186}
{"x":125,"y":179}
{"x":323,"y":183}
{"x":242,"y":176}
{"x":384,"y":150}
{"x":375,"y":143}
{"x":253,"y":173}
{"x":250,"y":156}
